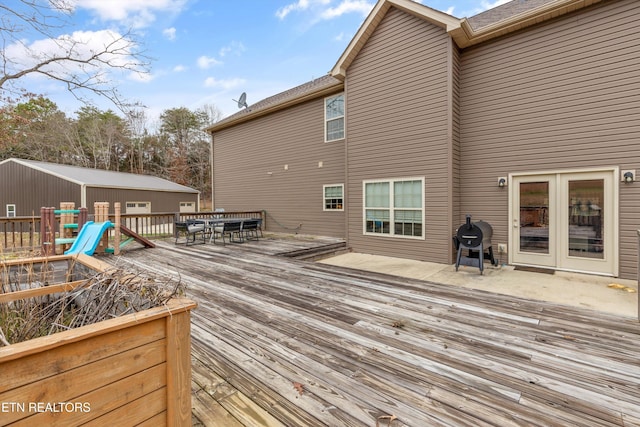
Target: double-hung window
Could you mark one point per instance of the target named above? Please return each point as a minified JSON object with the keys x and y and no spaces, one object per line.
{"x":394,"y":207}
{"x":334,"y":117}
{"x":333,"y":197}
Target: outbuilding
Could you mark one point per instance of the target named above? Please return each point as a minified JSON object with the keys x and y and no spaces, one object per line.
{"x":27,"y":185}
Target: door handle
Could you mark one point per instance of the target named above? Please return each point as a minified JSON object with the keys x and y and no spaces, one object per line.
{"x":515,"y":223}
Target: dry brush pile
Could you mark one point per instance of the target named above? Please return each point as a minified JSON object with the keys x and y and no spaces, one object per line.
{"x":104,"y":296}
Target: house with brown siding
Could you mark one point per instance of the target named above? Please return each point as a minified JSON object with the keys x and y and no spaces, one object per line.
{"x":27,"y":185}
{"x":524,"y":116}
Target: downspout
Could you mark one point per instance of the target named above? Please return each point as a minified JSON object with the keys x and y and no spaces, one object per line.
{"x":213,"y":179}
{"x":346,"y":202}
{"x":450,"y":149}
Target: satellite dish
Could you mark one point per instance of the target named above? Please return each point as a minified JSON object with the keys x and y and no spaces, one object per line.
{"x":242,"y":102}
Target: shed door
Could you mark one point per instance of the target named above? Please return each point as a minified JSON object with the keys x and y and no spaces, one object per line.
{"x":187,"y":207}
{"x":566,"y":221}
{"x":138,"y":207}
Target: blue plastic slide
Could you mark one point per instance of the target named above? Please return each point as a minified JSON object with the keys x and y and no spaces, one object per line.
{"x":88,"y":238}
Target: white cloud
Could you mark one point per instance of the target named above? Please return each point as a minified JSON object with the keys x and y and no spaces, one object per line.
{"x":136,"y":13}
{"x":484,"y":5}
{"x":347,"y":6}
{"x":226,"y":84}
{"x":78,"y":47}
{"x":142,"y":78}
{"x":491,"y":4}
{"x":206,"y":62}
{"x":237,"y":48}
{"x":169,"y":33}
{"x":179,"y":68}
{"x":322,"y":10}
{"x":300,"y":5}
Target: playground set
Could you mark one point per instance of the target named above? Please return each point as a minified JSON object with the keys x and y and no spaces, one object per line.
{"x":77,"y":235}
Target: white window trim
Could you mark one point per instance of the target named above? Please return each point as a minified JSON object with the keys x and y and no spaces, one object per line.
{"x":344,"y":118}
{"x":392,"y":209}
{"x":324,"y":199}
{"x":13,"y":206}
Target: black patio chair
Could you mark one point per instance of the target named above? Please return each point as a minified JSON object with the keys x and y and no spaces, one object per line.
{"x":194,"y":232}
{"x":250,"y":228}
{"x":228,"y":228}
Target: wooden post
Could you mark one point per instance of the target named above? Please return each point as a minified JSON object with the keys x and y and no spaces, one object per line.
{"x":47,"y":231}
{"x":44,"y":247}
{"x":116,"y":233}
{"x":101,"y":210}
{"x":101,"y":214}
{"x":176,"y":218}
{"x":82,"y":218}
{"x":179,"y":369}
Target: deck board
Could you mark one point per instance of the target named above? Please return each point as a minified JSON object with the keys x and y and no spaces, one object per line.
{"x":281,"y":341}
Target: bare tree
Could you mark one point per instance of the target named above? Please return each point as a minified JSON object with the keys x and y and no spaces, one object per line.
{"x":82,"y":61}
{"x":212,"y":113}
{"x":136,"y":121}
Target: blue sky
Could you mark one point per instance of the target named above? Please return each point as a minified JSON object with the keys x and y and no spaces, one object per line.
{"x":210,"y":51}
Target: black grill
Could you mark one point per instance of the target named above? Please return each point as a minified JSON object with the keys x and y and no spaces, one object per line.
{"x":475,"y":239}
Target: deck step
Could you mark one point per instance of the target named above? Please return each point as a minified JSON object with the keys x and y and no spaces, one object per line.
{"x":313,"y":254}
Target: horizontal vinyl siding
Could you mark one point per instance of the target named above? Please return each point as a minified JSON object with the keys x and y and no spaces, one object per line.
{"x":293,"y":198}
{"x":563,"y":95}
{"x":398,"y":105}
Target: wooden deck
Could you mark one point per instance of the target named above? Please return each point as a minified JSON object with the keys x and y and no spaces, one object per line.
{"x":278,"y":341}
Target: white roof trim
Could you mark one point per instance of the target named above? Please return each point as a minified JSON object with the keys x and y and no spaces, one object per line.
{"x":441,"y":19}
{"x":47,"y":171}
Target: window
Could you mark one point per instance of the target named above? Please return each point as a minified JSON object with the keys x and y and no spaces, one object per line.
{"x":11,"y":211}
{"x":394,"y":207}
{"x":333,"y":197}
{"x":334,"y":118}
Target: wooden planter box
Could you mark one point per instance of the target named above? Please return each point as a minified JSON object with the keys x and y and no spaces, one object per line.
{"x":133,"y":370}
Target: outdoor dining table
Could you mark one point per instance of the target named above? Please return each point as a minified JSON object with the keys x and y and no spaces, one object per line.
{"x":212,"y":223}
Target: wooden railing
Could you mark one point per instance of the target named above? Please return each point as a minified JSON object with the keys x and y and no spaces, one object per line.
{"x":23,"y":233}
{"x":19,"y":233}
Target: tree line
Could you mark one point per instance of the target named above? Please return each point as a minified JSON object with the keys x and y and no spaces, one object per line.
{"x":176,"y":148}
{"x":32,"y":127}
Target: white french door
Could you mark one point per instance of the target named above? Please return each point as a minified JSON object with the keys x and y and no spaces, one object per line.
{"x":565,"y":220}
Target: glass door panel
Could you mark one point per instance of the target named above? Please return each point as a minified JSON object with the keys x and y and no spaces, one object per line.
{"x":588,"y":235}
{"x":534,"y":217}
{"x":586,"y":218}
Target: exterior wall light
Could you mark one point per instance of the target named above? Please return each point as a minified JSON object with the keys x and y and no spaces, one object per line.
{"x":628,"y":177}
{"x":502,"y":182}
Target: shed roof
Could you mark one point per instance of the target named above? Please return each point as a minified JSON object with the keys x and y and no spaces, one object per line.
{"x":103,"y":178}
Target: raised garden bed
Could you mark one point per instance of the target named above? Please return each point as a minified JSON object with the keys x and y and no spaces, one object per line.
{"x":134,"y":367}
